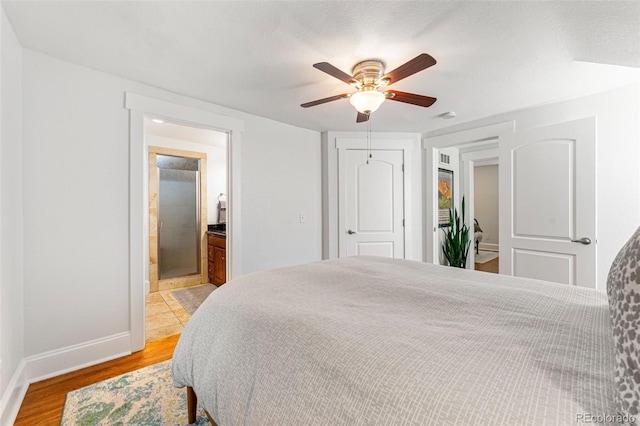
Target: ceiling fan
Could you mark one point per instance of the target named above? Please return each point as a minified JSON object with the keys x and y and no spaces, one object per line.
{"x":369,"y":78}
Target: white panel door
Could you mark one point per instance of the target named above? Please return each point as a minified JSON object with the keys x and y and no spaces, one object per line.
{"x":550,"y":190}
{"x":372,"y":195}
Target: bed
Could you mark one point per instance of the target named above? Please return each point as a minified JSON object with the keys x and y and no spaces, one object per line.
{"x":365,"y":340}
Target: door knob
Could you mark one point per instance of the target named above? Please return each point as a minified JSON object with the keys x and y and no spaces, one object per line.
{"x":586,"y":241}
{"x":350,"y":232}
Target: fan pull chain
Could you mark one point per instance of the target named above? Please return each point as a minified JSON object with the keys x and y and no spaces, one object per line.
{"x":369,"y":138}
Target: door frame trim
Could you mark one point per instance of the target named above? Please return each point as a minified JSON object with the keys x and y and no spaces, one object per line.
{"x":487,"y":137}
{"x":332,"y":142}
{"x":203,"y":115}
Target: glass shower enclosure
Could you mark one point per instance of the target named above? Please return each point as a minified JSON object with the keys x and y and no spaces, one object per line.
{"x":178,"y":216}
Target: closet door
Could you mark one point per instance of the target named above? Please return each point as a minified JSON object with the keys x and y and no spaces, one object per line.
{"x":373,"y":199}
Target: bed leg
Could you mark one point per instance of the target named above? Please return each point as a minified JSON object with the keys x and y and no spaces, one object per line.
{"x":192,"y":403}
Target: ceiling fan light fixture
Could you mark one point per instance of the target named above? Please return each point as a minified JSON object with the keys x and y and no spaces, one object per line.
{"x":370,"y":81}
{"x":368,"y":101}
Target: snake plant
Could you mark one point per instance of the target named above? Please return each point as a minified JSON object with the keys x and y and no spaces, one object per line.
{"x":456,"y":239}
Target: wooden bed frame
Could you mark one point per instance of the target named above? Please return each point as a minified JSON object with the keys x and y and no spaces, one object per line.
{"x":192,"y":405}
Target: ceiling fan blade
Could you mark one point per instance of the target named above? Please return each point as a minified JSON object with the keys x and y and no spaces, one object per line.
{"x":334,"y":72}
{"x":410,"y":98}
{"x":419,"y":63}
{"x":362,"y":117}
{"x":324,"y":100}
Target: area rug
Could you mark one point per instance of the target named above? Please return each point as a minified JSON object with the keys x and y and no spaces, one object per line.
{"x":485,"y":256}
{"x":141,"y":397}
{"x":191,"y":298}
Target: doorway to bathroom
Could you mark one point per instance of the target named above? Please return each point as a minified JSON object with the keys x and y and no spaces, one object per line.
{"x":187,"y":174}
{"x":227,"y":135}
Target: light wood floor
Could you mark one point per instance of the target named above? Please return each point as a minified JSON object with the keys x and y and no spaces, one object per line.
{"x":165,"y":319}
{"x":490,"y":266}
{"x":44,"y":400}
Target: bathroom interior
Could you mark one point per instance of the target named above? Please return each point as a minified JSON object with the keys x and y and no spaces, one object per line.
{"x":187,"y":221}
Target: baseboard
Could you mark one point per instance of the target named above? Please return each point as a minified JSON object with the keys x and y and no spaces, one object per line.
{"x":489,"y":246}
{"x":14,"y":395}
{"x":64,"y":360}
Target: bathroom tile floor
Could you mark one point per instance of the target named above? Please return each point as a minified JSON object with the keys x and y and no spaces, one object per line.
{"x":164,"y":315}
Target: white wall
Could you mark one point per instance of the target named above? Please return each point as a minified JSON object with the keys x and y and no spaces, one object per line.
{"x":486,"y":203}
{"x":75,"y":204}
{"x":281,"y":178}
{"x":12,"y":379}
{"x":76,"y":149}
{"x":618,"y":156}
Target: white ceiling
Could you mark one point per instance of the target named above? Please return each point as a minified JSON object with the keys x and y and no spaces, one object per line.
{"x":257,"y":56}
{"x":186,"y":133}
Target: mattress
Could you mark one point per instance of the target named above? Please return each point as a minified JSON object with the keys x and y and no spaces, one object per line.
{"x":365,"y":340}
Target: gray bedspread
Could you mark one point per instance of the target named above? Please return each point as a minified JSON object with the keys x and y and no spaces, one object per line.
{"x":372,"y":341}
